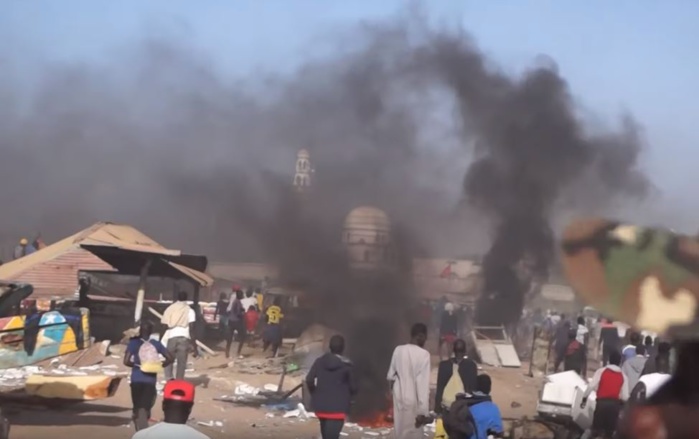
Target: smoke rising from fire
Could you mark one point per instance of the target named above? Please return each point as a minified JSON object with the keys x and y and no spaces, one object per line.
{"x":163,"y":140}
{"x":530,"y":148}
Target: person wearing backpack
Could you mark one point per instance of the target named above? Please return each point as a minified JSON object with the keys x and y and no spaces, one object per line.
{"x":454,"y":376}
{"x":236,"y":323}
{"x":457,"y":422}
{"x":143,"y":357}
{"x":486,"y":414}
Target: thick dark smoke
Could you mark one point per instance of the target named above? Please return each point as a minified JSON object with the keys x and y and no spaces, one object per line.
{"x":531,"y":148}
{"x":163,"y":140}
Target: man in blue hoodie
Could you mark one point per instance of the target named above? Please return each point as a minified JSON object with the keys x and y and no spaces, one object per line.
{"x":332,"y":384}
{"x":485,"y":412}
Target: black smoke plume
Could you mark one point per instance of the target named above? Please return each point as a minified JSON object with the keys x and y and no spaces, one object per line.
{"x":161,"y":139}
{"x":531,"y":148}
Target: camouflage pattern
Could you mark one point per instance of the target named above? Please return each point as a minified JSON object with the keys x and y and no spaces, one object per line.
{"x":647,"y":278}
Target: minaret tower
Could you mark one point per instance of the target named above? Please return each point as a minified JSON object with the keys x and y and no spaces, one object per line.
{"x":302,"y":178}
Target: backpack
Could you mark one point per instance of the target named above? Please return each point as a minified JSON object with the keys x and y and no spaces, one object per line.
{"x":458,"y":421}
{"x":439,"y":431}
{"x":149,"y":358}
{"x":454,"y":386}
{"x":237,"y":312}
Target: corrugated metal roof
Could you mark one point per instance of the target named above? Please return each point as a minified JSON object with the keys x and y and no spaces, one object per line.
{"x":204,"y":279}
{"x":59,"y":276}
{"x":53,"y":270}
{"x":102,"y":233}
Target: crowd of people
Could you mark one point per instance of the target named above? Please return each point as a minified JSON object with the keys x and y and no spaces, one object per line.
{"x":144,"y":354}
{"x":621,"y":369}
{"x":243,"y":316}
{"x":462,"y":408}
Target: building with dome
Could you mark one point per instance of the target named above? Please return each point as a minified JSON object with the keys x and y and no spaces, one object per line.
{"x":367,"y":237}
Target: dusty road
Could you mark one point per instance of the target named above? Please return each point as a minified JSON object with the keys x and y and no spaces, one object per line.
{"x":514,"y":392}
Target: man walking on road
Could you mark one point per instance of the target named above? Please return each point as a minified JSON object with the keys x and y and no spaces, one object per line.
{"x":179,"y":318}
{"x":409,"y":378}
{"x":332,"y":384}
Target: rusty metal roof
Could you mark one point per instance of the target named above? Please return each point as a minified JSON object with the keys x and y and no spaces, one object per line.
{"x":53,"y":270}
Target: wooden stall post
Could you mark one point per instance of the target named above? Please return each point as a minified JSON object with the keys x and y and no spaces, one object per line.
{"x":141,"y":296}
{"x":195,"y":298}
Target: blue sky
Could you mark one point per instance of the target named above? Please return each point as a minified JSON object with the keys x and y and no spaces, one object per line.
{"x":618,"y":55}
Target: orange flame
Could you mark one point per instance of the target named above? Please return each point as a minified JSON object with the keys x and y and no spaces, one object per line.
{"x":383,"y":419}
{"x":380,"y":419}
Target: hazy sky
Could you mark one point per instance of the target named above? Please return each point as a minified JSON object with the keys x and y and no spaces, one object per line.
{"x":636,"y":55}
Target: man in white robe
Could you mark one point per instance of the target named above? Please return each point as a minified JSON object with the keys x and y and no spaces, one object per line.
{"x":409,"y":377}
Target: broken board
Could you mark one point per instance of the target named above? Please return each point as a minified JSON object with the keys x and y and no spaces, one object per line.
{"x":494,"y":346}
{"x":507,"y":355}
{"x":77,"y":388}
{"x":487,"y":353}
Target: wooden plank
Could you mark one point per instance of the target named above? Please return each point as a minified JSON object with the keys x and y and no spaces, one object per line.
{"x":486,"y":350}
{"x":83,"y":388}
{"x":507,"y":355}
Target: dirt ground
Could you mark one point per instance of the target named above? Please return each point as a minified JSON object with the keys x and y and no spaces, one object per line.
{"x":513,"y":391}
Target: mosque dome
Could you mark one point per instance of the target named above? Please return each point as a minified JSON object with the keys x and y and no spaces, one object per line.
{"x":367,"y":237}
{"x":368,"y":219}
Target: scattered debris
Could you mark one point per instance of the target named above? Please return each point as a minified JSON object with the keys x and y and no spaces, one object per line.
{"x":246,"y":389}
{"x":300,"y":412}
{"x":104,"y":347}
{"x":218,"y":424}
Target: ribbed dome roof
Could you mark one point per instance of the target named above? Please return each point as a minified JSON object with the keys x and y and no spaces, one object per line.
{"x":368,"y":218}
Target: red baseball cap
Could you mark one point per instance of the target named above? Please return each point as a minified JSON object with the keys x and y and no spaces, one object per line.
{"x":179,"y":390}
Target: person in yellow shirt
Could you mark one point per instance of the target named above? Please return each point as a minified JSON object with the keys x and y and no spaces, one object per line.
{"x":272,"y":335}
{"x":260,"y":299}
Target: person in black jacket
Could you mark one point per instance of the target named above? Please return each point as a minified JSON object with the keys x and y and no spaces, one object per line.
{"x":332,"y":384}
{"x":468,"y":371}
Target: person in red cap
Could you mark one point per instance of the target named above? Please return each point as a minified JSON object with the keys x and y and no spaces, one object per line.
{"x":178,"y":400}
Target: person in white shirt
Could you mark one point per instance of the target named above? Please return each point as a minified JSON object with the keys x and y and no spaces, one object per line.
{"x":179,"y":318}
{"x":249,"y":300}
{"x":178,"y":400}
{"x":409,"y":378}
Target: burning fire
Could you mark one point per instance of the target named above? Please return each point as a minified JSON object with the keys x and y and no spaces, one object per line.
{"x":382,"y":419}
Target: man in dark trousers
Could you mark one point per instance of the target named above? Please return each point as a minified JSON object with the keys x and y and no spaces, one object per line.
{"x":236,"y":323}
{"x":467,"y":374}
{"x":609,"y":339}
{"x":332,"y":384}
{"x":178,"y":400}
{"x":448,"y":327}
{"x":612,"y":390}
{"x":143,"y":383}
{"x":574,"y":357}
{"x":560,"y":343}
{"x":660,"y":361}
